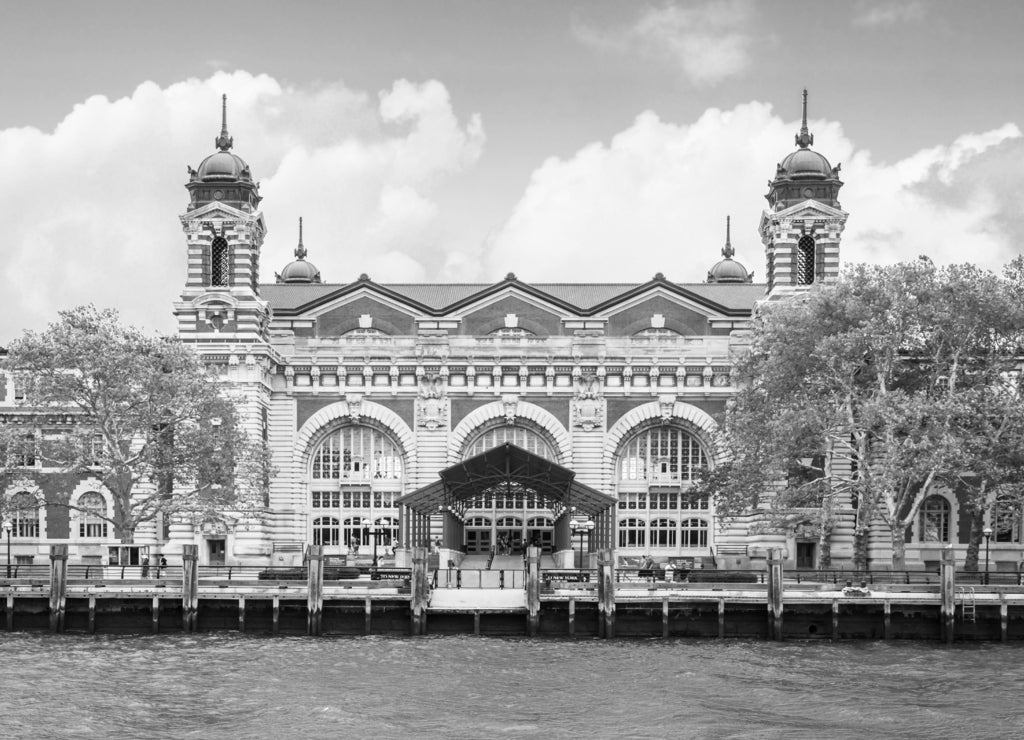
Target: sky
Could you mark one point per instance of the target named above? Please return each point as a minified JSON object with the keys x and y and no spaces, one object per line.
{"x":458,"y":140}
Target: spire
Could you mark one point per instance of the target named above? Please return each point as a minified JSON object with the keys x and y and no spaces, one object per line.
{"x":804,"y":139}
{"x":727,"y":250}
{"x":300,"y":251}
{"x":224,"y":141}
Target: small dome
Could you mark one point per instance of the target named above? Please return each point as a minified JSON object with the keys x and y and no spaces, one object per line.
{"x":806,"y":163}
{"x":728,"y":271}
{"x":223,"y":166}
{"x":299,"y":270}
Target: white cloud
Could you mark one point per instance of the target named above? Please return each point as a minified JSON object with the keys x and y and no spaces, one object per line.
{"x":888,"y":13}
{"x":707,"y":43}
{"x":654,"y":199}
{"x":91,"y":208}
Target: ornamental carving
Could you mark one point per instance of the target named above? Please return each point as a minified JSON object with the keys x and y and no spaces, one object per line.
{"x":587,"y":403}
{"x":667,"y":405}
{"x":432,"y":404}
{"x":511,"y":405}
{"x":354,"y":401}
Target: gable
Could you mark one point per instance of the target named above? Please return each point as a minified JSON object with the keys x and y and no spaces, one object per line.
{"x":488,"y":318}
{"x":637,"y":316}
{"x":345,"y":317}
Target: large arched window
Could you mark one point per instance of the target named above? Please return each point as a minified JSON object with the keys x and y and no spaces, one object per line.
{"x":92,"y":508}
{"x":805,"y":261}
{"x":358,"y":453}
{"x":219,"y":267}
{"x":694,"y":533}
{"x":632,"y":533}
{"x":521,"y":436}
{"x":663,"y":533}
{"x":326,"y":530}
{"x":935,"y":519}
{"x":23,"y":512}
{"x":662,"y":455}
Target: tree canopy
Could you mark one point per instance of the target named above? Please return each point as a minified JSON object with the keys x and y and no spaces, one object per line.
{"x":137,"y":412}
{"x":875,"y":390}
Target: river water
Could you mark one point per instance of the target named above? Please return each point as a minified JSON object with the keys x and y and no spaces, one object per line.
{"x":238,"y":686}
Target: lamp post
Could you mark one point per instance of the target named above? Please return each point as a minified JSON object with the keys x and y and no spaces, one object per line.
{"x":581,"y":528}
{"x":374,"y":531}
{"x":988,"y":536}
{"x":8,"y":526}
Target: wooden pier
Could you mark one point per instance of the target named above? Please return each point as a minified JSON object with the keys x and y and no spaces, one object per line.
{"x":535,"y":602}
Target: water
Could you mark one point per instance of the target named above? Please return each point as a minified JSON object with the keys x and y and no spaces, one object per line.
{"x":238,"y":686}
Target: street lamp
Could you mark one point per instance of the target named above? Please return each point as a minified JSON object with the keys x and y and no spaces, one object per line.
{"x":988,"y":536}
{"x":375,"y":531}
{"x":581,"y":528}
{"x":8,"y":526}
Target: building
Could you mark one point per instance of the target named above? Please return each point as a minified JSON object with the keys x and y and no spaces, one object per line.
{"x":366,"y":391}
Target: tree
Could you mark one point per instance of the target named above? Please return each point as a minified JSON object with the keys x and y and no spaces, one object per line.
{"x":137,"y":412}
{"x":869,"y":385}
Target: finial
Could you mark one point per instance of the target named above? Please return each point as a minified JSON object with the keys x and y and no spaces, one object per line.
{"x":727,"y":250}
{"x":224,"y":141}
{"x":804,"y":139}
{"x":300,"y":251}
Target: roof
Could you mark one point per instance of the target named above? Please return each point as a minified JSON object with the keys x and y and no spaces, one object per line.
{"x":582,"y":298}
{"x":504,"y":466}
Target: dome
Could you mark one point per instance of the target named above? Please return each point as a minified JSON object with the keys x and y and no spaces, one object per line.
{"x":804,"y":163}
{"x":728,"y":271}
{"x":299,"y":271}
{"x":223,"y":166}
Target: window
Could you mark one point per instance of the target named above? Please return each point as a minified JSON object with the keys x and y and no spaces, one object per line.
{"x":326,"y":499}
{"x":805,"y":261}
{"x":511,"y":332}
{"x":92,"y":508}
{"x":663,"y":533}
{"x":935,"y":519}
{"x":368,"y":332}
{"x":656,"y":333}
{"x":520,"y":436}
{"x":1007,"y":514}
{"x":389,"y":530}
{"x":354,"y":534}
{"x":326,"y":531}
{"x":24,"y":515}
{"x":357,"y":453}
{"x":632,"y":533}
{"x":694,"y":533}
{"x":662,"y":455}
{"x":219,"y":268}
{"x":24,"y":452}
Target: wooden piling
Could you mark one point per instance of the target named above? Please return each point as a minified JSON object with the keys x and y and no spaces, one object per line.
{"x":606,"y":594}
{"x":92,"y":614}
{"x":189,"y":587}
{"x":775,"y":594}
{"x":315,"y":589}
{"x":572,"y":616}
{"x":721,"y":619}
{"x":887,"y":610}
{"x":1003,"y":617}
{"x":664,"y":617}
{"x":533,"y":590}
{"x":156,"y":615}
{"x":368,"y":614}
{"x":276,"y":615}
{"x":58,"y":586}
{"x":835,"y":619}
{"x":420,"y":591}
{"x":476,"y":622}
{"x":947,"y":591}
{"x":241,"y":614}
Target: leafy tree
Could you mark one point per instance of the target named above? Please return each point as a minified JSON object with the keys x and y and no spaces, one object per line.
{"x":139,"y":413}
{"x":879,"y":377}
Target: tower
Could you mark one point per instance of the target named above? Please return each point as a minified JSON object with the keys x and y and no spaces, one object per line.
{"x":802,"y":226}
{"x":728,"y":270}
{"x":225,"y":230}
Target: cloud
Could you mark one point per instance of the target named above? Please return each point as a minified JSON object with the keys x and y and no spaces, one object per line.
{"x":888,"y":13}
{"x":654,"y":199}
{"x":707,"y":43}
{"x":91,"y":208}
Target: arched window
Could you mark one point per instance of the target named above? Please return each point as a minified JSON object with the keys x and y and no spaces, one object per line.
{"x":662,"y":455}
{"x":805,"y":261}
{"x":92,"y":508}
{"x":23,"y":512}
{"x":521,"y":436}
{"x":219,"y":267}
{"x":935,"y":519}
{"x":354,"y":534}
{"x":326,"y":531}
{"x":694,"y":533}
{"x":510,"y":522}
{"x":632,"y":533}
{"x":358,"y":453}
{"x":389,"y":530}
{"x":663,"y":533}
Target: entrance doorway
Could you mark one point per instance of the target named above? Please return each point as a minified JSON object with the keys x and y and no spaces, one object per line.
{"x":478,"y":540}
{"x":215,"y":551}
{"x":805,"y":555}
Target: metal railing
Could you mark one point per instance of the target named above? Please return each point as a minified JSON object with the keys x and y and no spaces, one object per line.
{"x":478,"y":578}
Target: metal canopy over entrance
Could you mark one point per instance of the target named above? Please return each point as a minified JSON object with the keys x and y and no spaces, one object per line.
{"x":505,"y":472}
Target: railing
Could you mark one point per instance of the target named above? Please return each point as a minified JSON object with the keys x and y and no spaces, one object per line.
{"x":680,"y":575}
{"x":474,"y":578}
{"x":216,"y":573}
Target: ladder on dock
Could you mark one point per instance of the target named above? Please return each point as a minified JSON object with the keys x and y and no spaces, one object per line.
{"x":968,"y":608}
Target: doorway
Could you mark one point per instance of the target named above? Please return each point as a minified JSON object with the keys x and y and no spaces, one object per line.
{"x":215,"y":551}
{"x":478,"y":540}
{"x":805,"y":552}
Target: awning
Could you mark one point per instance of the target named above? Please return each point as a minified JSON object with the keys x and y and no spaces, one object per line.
{"x":507,"y":470}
